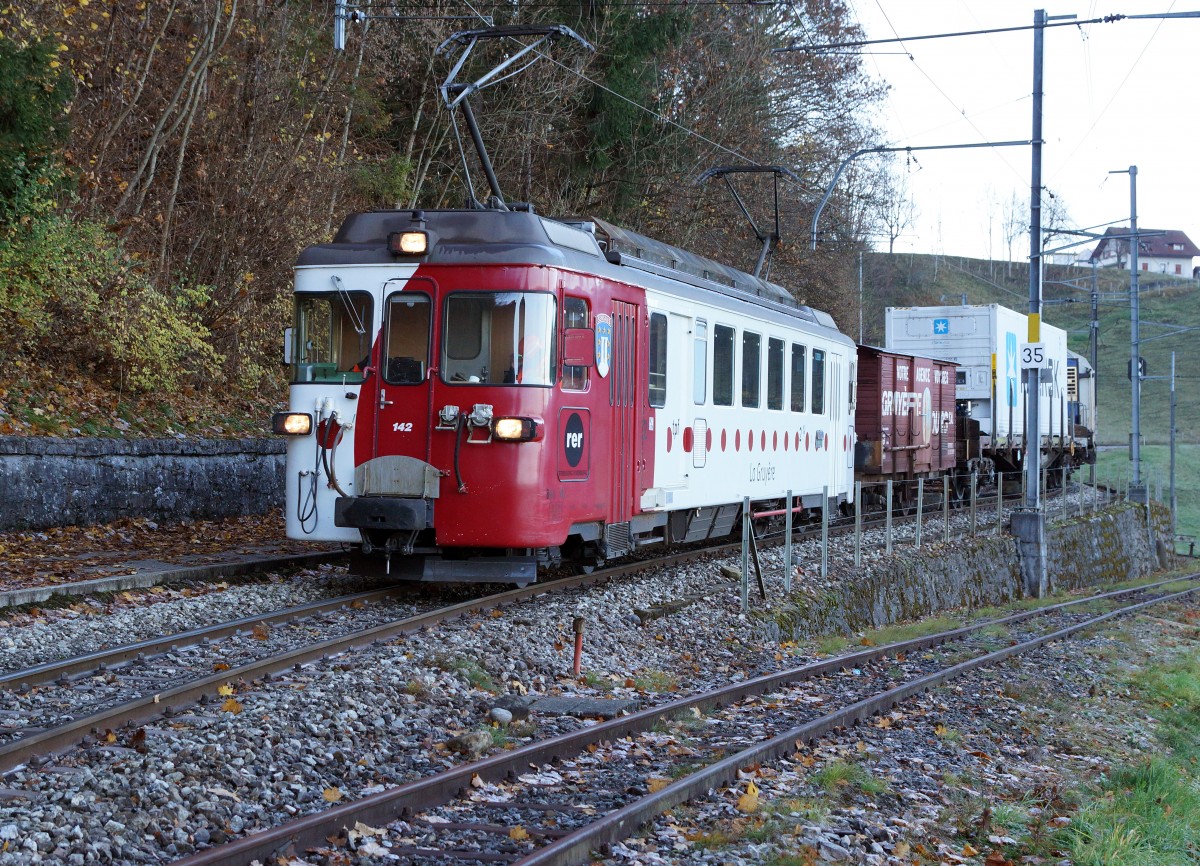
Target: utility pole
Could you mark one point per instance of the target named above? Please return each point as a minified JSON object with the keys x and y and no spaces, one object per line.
{"x":1174,"y":503}
{"x":1029,"y":522}
{"x":1136,"y":491}
{"x":1033,"y":438}
{"x":1093,"y":350}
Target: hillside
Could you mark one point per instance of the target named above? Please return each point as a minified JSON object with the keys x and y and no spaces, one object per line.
{"x":906,"y":280}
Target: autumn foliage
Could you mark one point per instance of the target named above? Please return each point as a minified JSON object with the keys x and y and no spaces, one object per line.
{"x":162,"y":163}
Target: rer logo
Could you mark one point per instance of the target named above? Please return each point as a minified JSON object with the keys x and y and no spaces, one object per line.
{"x":941,"y":326}
{"x":573,"y":440}
{"x":604,"y":344}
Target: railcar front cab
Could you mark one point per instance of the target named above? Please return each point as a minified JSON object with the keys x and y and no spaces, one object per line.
{"x":501,"y":341}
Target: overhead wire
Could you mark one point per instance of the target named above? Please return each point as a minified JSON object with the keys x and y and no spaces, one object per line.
{"x":661,"y":118}
{"x":1117,"y":92}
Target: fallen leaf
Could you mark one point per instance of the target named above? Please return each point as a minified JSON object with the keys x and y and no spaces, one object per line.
{"x":883,"y":722}
{"x":261,"y":631}
{"x":655,"y":784}
{"x":220,"y":666}
{"x":331,"y":795}
{"x":231,"y":705}
{"x":225,"y":690}
{"x":748,"y":802}
{"x":969,"y":851}
{"x":518,"y":834}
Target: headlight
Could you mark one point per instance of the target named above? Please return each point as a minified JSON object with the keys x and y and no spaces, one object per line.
{"x":408,"y":243}
{"x":291,"y":423}
{"x":515,"y":429}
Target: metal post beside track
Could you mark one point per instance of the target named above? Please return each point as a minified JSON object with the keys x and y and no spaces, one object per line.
{"x":857,"y":525}
{"x":787,"y":546}
{"x":974,"y":503}
{"x":745,"y":554}
{"x":825,"y":531}
{"x":887,"y":520}
{"x":999,"y":503}
{"x":920,"y":509}
{"x":945,"y":510}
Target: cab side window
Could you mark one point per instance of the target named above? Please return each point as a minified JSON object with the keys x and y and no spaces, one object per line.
{"x":575,"y":315}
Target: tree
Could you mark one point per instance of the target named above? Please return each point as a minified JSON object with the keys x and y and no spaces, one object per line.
{"x":896,"y":210}
{"x":1014,"y":224}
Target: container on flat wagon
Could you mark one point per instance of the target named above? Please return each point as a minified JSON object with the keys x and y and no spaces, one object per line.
{"x":905,"y":415}
{"x":985,"y":340}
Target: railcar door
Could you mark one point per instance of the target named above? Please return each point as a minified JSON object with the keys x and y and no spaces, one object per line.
{"x":668,"y":397}
{"x":623,"y":398}
{"x":402,"y":394}
{"x":835,"y":442}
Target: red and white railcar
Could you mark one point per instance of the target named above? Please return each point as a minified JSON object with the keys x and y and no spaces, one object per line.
{"x":476,"y":392}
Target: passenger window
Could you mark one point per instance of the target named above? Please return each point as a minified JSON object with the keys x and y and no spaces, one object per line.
{"x":751,"y":364}
{"x":818,"y":382}
{"x":658,"y":360}
{"x":575,"y":315}
{"x":700,"y":363}
{"x":799,"y":358}
{"x":774,"y":374}
{"x":722,"y":365}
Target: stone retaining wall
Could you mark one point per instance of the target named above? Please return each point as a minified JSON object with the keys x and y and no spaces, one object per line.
{"x":47,"y":482}
{"x":1107,"y":547}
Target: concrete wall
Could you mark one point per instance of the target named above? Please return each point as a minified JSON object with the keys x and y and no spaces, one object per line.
{"x":46,"y":481}
{"x":1107,"y":547}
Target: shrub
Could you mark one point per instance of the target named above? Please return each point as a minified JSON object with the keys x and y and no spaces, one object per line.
{"x":67,"y":289}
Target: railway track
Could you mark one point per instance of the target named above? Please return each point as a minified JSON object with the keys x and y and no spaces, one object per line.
{"x":83,"y":698}
{"x":79,"y":700}
{"x":556,"y":800}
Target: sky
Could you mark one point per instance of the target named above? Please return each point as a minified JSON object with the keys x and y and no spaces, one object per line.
{"x":1115,"y":95}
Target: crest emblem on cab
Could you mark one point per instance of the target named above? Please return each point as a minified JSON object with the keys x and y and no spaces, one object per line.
{"x":604,"y":344}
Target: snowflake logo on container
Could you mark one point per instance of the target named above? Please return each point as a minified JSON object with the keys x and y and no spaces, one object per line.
{"x":941,"y":326}
{"x":604,"y":344}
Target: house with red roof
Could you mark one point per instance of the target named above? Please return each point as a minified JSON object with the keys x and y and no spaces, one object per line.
{"x":1159,"y":252}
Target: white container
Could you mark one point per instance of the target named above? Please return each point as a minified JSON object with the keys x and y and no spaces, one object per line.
{"x":984,"y":339}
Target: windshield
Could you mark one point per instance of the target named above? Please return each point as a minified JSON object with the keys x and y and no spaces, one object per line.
{"x":332,"y":337}
{"x":499,"y":338}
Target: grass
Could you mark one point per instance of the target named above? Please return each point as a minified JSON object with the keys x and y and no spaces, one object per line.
{"x":596,"y":681}
{"x":470,"y":670}
{"x":1114,"y":467}
{"x":838,"y":776}
{"x":831,"y":645}
{"x":656,"y":681}
{"x":1148,"y":812}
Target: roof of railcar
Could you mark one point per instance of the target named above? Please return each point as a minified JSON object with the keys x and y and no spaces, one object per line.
{"x":475,"y":237}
